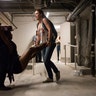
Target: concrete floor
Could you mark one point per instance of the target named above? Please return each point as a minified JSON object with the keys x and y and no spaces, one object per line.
{"x":29,"y":83}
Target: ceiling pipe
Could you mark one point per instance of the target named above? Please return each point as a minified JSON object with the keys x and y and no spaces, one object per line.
{"x":82,"y":5}
{"x":9,"y":20}
{"x":38,"y":4}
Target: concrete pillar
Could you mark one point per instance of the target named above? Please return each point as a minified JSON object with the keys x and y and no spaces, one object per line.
{"x":84,"y":38}
{"x":78,"y":41}
{"x":93,"y":48}
{"x":73,"y":41}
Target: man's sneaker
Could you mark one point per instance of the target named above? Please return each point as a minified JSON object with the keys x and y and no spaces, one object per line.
{"x":48,"y":80}
{"x":58,"y":76}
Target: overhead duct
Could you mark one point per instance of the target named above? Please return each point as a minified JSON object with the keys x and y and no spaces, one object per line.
{"x":38,"y":4}
{"x":66,"y":1}
{"x":6,"y":20}
{"x":82,"y":5}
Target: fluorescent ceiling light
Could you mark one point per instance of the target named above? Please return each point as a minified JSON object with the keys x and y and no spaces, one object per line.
{"x":47,"y":14}
{"x":57,"y":26}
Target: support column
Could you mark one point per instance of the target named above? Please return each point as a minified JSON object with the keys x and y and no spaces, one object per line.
{"x":93,"y":48}
{"x":73,"y":41}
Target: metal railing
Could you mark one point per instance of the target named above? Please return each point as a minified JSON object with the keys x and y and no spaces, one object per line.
{"x":75,"y":50}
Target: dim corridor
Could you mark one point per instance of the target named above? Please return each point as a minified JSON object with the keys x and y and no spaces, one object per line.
{"x":29,"y":83}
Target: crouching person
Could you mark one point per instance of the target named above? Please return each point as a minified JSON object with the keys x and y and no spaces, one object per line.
{"x":10,"y":62}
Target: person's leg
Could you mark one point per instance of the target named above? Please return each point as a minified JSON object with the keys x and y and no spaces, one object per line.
{"x":57,"y":54}
{"x":29,"y":54}
{"x":38,"y":56}
{"x":48,"y":63}
{"x":3,"y":67}
{"x":3,"y":72}
{"x":58,"y":51}
{"x":2,"y":77}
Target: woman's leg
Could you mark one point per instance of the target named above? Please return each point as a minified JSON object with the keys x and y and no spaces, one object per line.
{"x":48,"y":63}
{"x":29,"y":54}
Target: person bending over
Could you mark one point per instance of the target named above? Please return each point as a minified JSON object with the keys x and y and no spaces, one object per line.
{"x":10,"y":62}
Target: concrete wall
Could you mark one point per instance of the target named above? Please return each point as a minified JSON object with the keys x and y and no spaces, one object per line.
{"x":22,"y":36}
{"x":65,"y":40}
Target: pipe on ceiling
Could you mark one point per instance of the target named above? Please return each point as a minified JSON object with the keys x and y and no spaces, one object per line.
{"x":80,"y":7}
{"x":38,"y":4}
{"x":9,"y":20}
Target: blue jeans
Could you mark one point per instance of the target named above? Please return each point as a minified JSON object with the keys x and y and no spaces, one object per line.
{"x":58,"y":51}
{"x":49,"y":65}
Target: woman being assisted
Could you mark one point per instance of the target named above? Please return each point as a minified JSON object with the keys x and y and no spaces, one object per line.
{"x":10,"y":62}
{"x":49,"y":35}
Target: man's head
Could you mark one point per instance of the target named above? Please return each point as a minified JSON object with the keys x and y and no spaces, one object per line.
{"x":6,"y":28}
{"x":7,"y":31}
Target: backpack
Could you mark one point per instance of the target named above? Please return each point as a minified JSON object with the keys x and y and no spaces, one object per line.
{"x":54,"y":32}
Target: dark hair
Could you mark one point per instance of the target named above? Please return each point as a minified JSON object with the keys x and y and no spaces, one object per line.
{"x":7,"y":31}
{"x":6,"y":28}
{"x":41,"y":12}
